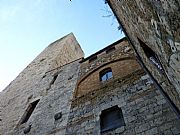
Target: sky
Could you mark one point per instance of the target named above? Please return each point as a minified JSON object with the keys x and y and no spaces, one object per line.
{"x":28,"y":26}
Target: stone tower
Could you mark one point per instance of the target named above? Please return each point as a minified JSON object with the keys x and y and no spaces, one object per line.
{"x":153,"y":29}
{"x":45,"y":88}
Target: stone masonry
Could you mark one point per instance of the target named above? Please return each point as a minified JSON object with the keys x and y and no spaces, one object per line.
{"x":61,"y":93}
{"x":122,"y":62}
{"x":154,"y":23}
{"x":37,"y":81}
{"x":144,"y":109}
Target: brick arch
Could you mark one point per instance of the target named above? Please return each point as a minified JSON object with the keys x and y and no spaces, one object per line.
{"x":101,"y":67}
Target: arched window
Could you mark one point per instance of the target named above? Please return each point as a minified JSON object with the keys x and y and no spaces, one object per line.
{"x":106,"y":74}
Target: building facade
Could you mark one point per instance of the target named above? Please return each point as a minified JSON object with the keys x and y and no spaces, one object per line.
{"x":62,"y":93}
{"x":44,"y":88}
{"x":153,"y":29}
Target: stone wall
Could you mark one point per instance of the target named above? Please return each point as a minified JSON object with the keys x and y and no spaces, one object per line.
{"x":1,"y":109}
{"x":121,"y":60}
{"x":156,"y":23}
{"x":144,"y":109}
{"x":45,"y":79}
{"x":57,"y":100}
{"x":92,"y":81}
{"x":72,"y":97}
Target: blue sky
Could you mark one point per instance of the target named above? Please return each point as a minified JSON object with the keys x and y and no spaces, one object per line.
{"x":28,"y":26}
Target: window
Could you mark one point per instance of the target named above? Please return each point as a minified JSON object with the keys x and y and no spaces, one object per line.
{"x":109,"y":50}
{"x":111,"y":118}
{"x":106,"y":74}
{"x":54,"y":79}
{"x":151,"y":55}
{"x":92,"y":59}
{"x":29,"y":111}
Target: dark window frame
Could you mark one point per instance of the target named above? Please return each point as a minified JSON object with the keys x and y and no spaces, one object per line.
{"x":111,"y":119}
{"x":111,"y":49}
{"x":54,"y":79}
{"x":151,"y":55}
{"x":105,"y":73}
{"x":29,"y":112}
{"x":93,"y":58}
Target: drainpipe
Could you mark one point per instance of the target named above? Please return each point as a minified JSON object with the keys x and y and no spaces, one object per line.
{"x":157,"y":85}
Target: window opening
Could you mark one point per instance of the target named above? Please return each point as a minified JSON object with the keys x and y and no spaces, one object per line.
{"x":151,"y":55}
{"x":106,"y":74}
{"x":54,"y":79}
{"x":111,"y":118}
{"x":29,"y":111}
{"x":109,"y":50}
{"x":92,"y":59}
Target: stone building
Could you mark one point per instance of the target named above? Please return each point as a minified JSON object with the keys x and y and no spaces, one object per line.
{"x":153,"y":29}
{"x":44,"y":88}
{"x":62,"y":93}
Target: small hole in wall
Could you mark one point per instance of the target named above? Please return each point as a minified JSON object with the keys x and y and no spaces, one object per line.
{"x":58,"y":116}
{"x":44,"y":76}
{"x":119,"y":81}
{"x":27,"y":130}
{"x":172,"y":48}
{"x":42,"y":59}
{"x":29,"y":98}
{"x":70,"y":77}
{"x":177,"y":58}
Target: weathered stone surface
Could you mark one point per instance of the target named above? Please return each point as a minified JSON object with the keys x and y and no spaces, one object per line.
{"x":143,"y":113}
{"x":1,"y":109}
{"x":67,"y":106}
{"x":27,"y":130}
{"x":120,"y":61}
{"x":57,"y":116}
{"x":35,"y":82}
{"x":144,"y":109}
{"x":156,"y":23}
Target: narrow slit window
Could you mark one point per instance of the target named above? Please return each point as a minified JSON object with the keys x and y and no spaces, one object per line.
{"x":111,"y":118}
{"x":29,"y":111}
{"x":151,"y":55}
{"x":54,"y":79}
{"x":106,"y":74}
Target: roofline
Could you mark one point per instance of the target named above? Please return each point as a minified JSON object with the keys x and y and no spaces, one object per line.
{"x":102,"y":50}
